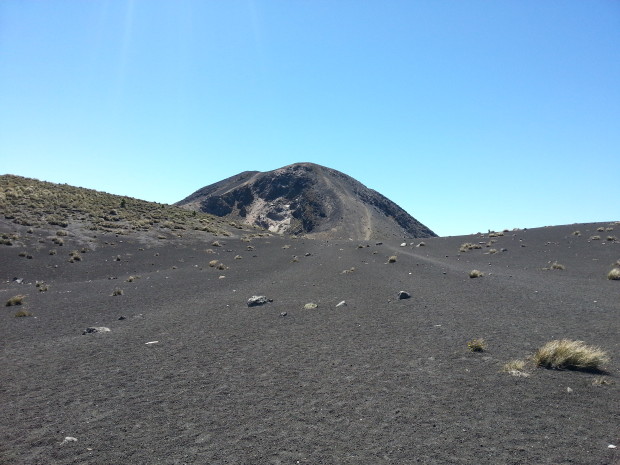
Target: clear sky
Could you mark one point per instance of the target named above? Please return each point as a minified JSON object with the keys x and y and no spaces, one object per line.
{"x":471,"y":115}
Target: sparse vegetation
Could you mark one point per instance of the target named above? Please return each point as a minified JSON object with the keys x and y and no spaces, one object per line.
{"x":467,"y":246}
{"x":595,"y":238}
{"x":576,"y":233}
{"x":557,"y":266}
{"x":213,"y":263}
{"x":612,"y":238}
{"x":614,"y":274}
{"x":475,"y":274}
{"x":132,"y":278}
{"x":602,"y":381}
{"x":36,"y":203}
{"x":117,"y":292}
{"x":569,"y":354}
{"x":42,"y":286}
{"x":15,"y":300}
{"x":22,"y":313}
{"x":75,"y":256}
{"x":477,"y":345}
{"x":492,"y":251}
{"x":600,"y":228}
{"x":392,"y":259}
{"x":238,"y":257}
{"x":53,"y":252}
{"x":216,"y":244}
{"x":516,"y":368}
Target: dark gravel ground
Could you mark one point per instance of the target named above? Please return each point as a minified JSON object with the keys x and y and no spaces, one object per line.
{"x":378,"y":380}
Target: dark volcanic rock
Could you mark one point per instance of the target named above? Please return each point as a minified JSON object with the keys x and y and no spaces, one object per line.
{"x":307,"y":199}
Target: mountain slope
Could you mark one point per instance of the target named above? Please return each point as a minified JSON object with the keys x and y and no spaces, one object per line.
{"x":307,"y":199}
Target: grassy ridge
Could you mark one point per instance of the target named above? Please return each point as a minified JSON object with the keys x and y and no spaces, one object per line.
{"x":30,"y":202}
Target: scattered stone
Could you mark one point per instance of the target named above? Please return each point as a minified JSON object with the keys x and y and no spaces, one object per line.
{"x":150,"y":343}
{"x":283,"y":314}
{"x":378,"y":243}
{"x":96,"y":329}
{"x":403,"y":295}
{"x":257,"y":300}
{"x":18,"y":280}
{"x":341,"y":304}
{"x":122,"y":318}
{"x":67,"y":440}
{"x":310,"y":306}
{"x":404,"y":244}
{"x":307,"y":254}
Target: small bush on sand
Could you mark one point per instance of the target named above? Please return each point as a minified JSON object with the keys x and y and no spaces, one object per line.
{"x":15,"y":300}
{"x":22,"y":313}
{"x":600,"y":229}
{"x":42,"y":286}
{"x":614,"y":274}
{"x":557,"y":266}
{"x":612,"y":238}
{"x":477,"y":345}
{"x":577,"y":233}
{"x":392,"y":259}
{"x":213,"y":263}
{"x":132,"y":278}
{"x":53,"y":252}
{"x":216,"y":244}
{"x":209,"y":251}
{"x":75,"y":256}
{"x":516,"y":368}
{"x":601,"y":381}
{"x":595,"y":238}
{"x":467,"y":246}
{"x":117,"y":292}
{"x":569,"y":354}
{"x":475,"y":274}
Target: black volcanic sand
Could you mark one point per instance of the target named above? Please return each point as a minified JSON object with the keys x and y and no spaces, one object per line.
{"x":379,"y":380}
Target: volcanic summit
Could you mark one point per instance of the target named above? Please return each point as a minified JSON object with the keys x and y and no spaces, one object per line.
{"x":307,"y":199}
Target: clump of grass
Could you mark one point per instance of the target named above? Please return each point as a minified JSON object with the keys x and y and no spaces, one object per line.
{"x":576,"y":233}
{"x":15,"y":300}
{"x":286,"y":246}
{"x":213,"y":263}
{"x":475,"y":274}
{"x":132,"y":278}
{"x":75,"y":256}
{"x":595,"y":238}
{"x":53,"y":252}
{"x":22,"y":254}
{"x":570,"y":355}
{"x":350,"y":270}
{"x":467,"y":246}
{"x":221,"y":266}
{"x":238,"y":257}
{"x":209,"y":251}
{"x":117,"y":292}
{"x":477,"y":345}
{"x":62,"y":233}
{"x":216,"y":244}
{"x":492,"y":251}
{"x":612,"y":238}
{"x":516,"y":368}
{"x":557,"y":266}
{"x":614,"y":274}
{"x":42,"y":286}
{"x":392,"y":259}
{"x":58,"y":241}
{"x":22,"y":313}
{"x":600,"y":228}
{"x":601,"y":381}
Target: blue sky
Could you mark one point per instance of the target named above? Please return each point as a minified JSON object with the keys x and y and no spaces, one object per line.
{"x":471,"y":115}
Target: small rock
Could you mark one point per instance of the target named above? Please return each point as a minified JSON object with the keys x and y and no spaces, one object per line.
{"x":378,"y":243}
{"x":403,"y":295}
{"x":310,"y":306}
{"x":257,"y":300}
{"x":283,"y":314}
{"x":307,"y":254}
{"x":18,"y":280}
{"x":68,"y":439}
{"x":341,"y":304}
{"x":569,"y":390}
{"x":404,"y":244}
{"x":96,"y":329}
{"x":611,"y":446}
{"x":122,"y":318}
{"x":150,"y":343}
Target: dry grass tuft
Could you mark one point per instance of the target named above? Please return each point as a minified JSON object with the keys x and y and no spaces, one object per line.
{"x":15,"y":300}
{"x":117,"y":292}
{"x":475,"y":274}
{"x":557,"y":266}
{"x":467,"y":246}
{"x":570,"y":355}
{"x":392,"y":259}
{"x":213,"y":263}
{"x":22,"y":313}
{"x":516,"y":368}
{"x":614,"y":274}
{"x":477,"y":345}
{"x":595,"y":238}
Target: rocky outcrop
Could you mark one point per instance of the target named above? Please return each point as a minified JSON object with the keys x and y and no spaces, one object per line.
{"x":306,"y":199}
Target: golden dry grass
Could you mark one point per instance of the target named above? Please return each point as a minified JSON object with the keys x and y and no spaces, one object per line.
{"x":15,"y":300}
{"x":571,"y":355}
{"x":477,"y":345}
{"x":392,"y":259}
{"x":475,"y":274}
{"x":614,"y":274}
